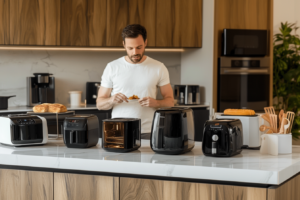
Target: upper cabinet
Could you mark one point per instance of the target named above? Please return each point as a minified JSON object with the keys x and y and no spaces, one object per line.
{"x":4,"y":22}
{"x":83,"y":22}
{"x":179,"y":23}
{"x":34,"y":22}
{"x":125,"y":12}
{"x":99,"y":23}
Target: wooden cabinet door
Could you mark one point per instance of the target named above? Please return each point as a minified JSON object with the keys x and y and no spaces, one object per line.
{"x":179,"y":23}
{"x":34,"y":22}
{"x":79,"y":187}
{"x":83,"y":23}
{"x":144,"y":189}
{"x":125,"y":12}
{"x":4,"y":22}
{"x":25,"y":185}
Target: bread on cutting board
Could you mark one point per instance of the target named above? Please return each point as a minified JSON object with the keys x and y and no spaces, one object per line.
{"x":239,"y":112}
{"x":48,"y":107}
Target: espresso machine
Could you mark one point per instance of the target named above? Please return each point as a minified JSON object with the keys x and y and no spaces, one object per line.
{"x":40,"y":89}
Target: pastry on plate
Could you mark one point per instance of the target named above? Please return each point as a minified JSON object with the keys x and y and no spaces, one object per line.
{"x":40,"y":108}
{"x":57,"y":108}
{"x":48,"y":107}
{"x":133,"y":97}
{"x":239,"y":112}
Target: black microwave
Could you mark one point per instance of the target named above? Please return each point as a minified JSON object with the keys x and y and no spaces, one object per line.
{"x":245,"y":42}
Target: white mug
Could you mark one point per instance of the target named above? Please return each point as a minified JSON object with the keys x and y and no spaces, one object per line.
{"x":75,"y":98}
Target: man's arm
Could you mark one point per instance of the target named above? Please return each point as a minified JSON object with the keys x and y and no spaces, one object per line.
{"x":167,"y":101}
{"x":105,"y":101}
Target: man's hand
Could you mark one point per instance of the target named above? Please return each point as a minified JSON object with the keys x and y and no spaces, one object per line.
{"x":149,"y":102}
{"x":118,"y":98}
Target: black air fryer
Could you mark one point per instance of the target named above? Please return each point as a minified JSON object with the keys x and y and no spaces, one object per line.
{"x":222,"y":138}
{"x":173,"y":131}
{"x":81,"y":131}
{"x":121,"y":134}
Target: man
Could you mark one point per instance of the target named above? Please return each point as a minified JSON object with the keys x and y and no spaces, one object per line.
{"x":135,"y":74}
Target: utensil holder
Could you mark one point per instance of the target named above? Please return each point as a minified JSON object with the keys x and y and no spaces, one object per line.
{"x":275,"y":144}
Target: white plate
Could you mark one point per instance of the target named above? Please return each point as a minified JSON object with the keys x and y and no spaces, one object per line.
{"x":133,"y":100}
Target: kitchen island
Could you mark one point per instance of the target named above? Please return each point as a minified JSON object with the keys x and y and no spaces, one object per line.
{"x":65,"y":173}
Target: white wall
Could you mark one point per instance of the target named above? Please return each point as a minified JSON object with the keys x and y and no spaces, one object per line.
{"x":197,"y":64}
{"x":286,"y":10}
{"x":71,"y":70}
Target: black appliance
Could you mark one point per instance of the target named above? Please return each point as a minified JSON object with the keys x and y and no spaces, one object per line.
{"x":81,"y":131}
{"x":222,"y":137}
{"x":4,"y":101}
{"x":245,"y":42}
{"x":187,"y":94}
{"x":92,"y":92}
{"x":121,"y":134}
{"x":40,"y":89}
{"x":243,"y":83}
{"x":172,"y":131}
{"x":55,"y":122}
{"x":23,"y":130}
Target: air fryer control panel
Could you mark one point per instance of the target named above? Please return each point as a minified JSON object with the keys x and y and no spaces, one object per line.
{"x":75,"y":123}
{"x":25,"y":121}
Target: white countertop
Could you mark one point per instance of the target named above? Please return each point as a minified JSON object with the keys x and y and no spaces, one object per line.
{"x":83,"y":107}
{"x":248,"y":167}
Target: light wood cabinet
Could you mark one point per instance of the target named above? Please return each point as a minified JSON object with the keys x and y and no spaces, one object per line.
{"x":4,"y":22}
{"x":34,"y":22}
{"x":99,"y":23}
{"x":25,"y":185}
{"x":125,"y":12}
{"x":83,"y":23}
{"x":179,"y":23}
{"x":287,"y":190}
{"x":147,"y":189}
{"x":79,"y":187}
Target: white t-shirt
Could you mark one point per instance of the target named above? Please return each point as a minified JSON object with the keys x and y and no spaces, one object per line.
{"x":135,"y":79}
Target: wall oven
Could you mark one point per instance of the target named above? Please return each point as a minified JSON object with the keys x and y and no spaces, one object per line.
{"x":243,"y":83}
{"x":245,"y":42}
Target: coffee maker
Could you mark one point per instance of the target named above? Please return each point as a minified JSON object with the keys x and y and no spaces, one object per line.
{"x":92,"y":92}
{"x":40,"y":89}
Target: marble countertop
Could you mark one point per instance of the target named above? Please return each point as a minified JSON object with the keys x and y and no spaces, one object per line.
{"x":248,"y":167}
{"x":83,"y":107}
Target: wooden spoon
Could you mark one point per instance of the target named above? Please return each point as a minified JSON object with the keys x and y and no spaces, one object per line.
{"x":266,"y":117}
{"x":263,"y":128}
{"x":280,"y":115}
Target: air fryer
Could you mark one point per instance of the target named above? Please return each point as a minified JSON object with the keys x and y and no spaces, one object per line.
{"x":173,"y":131}
{"x":121,"y":134}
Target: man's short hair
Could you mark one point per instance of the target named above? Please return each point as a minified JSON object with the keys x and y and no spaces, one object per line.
{"x":133,"y":31}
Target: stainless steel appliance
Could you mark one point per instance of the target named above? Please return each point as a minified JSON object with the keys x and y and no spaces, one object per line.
{"x":40,"y":89}
{"x":92,"y":92}
{"x":251,"y":133}
{"x":243,"y":83}
{"x":81,"y":131}
{"x":54,"y":122}
{"x":23,"y":130}
{"x":172,"y":131}
{"x":187,"y":94}
{"x":121,"y":134}
{"x":222,"y":138}
{"x":245,"y":42}
{"x":4,"y":101}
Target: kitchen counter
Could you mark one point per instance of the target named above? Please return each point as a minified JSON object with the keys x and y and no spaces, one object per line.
{"x":85,"y":107}
{"x":248,"y":167}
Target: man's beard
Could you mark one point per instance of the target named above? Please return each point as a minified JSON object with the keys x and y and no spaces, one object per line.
{"x":140,"y":56}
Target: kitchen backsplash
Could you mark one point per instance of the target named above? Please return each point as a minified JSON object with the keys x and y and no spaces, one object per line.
{"x":71,"y":69}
